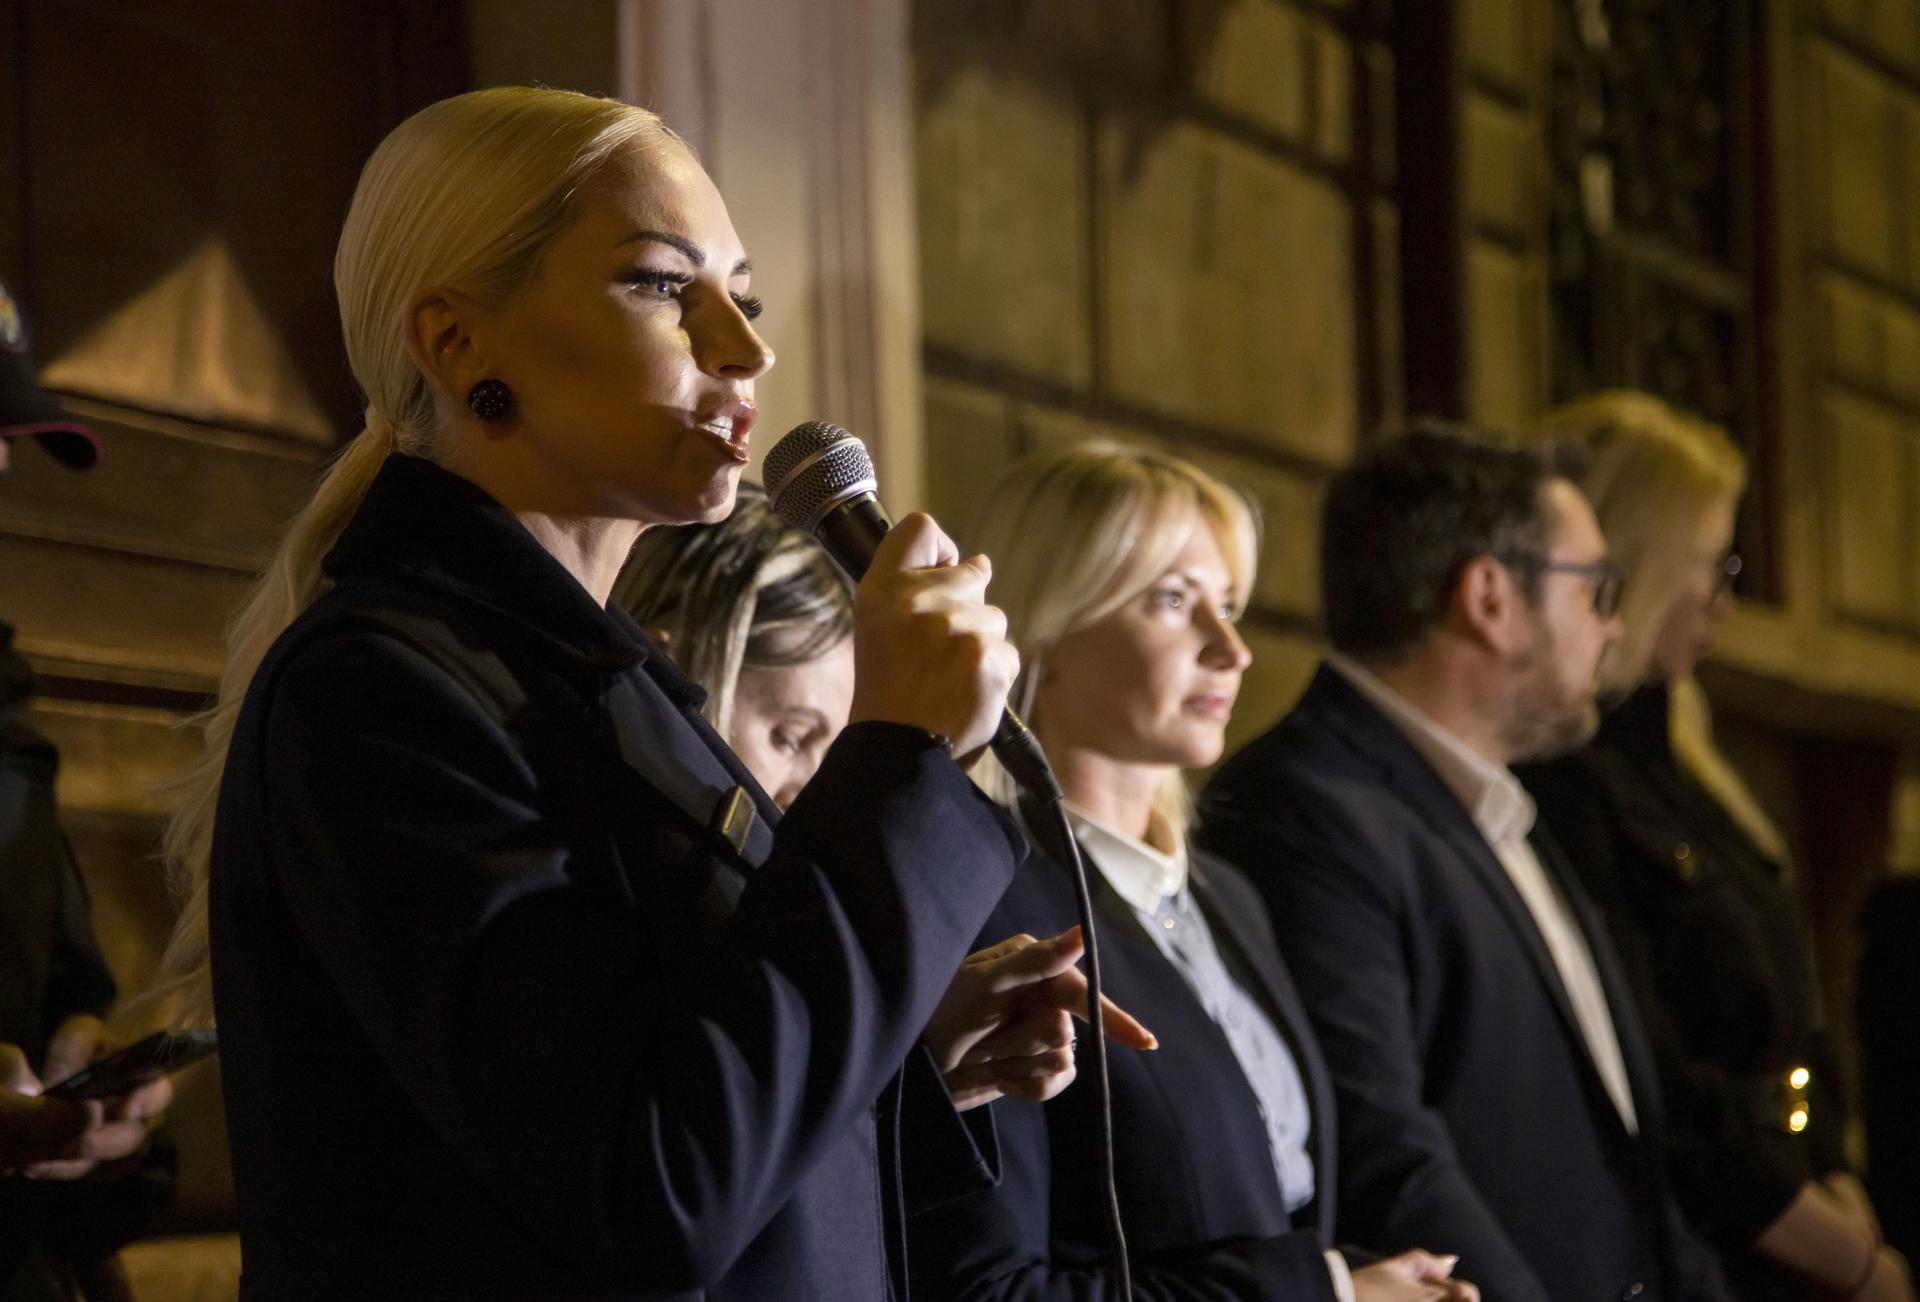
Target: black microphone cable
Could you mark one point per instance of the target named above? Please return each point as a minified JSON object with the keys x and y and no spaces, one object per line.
{"x":820,"y":480}
{"x":1045,"y":814}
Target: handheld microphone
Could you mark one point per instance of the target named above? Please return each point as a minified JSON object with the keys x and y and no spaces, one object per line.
{"x":820,"y":480}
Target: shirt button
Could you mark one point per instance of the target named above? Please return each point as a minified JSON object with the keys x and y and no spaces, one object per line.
{"x":1168,"y":923}
{"x":1632,"y":1290}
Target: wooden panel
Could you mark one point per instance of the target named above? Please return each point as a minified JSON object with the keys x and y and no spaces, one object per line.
{"x":1503,"y":342}
{"x":1868,"y":505}
{"x":187,"y":168}
{"x":1855,"y":331}
{"x":1858,"y":145}
{"x":166,"y":488}
{"x":1332,"y":81}
{"x":1494,"y":39}
{"x":1252,"y":61}
{"x":1499,"y":144}
{"x":115,"y":758}
{"x":120,"y":616}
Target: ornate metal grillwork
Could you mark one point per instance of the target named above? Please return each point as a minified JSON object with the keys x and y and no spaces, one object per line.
{"x":1652,"y":249}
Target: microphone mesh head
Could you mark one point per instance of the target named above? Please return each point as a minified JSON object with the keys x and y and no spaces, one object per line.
{"x":815,"y":468}
{"x":801,"y":442}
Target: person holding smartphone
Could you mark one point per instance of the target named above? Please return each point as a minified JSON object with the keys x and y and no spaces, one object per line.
{"x":77,"y":1179}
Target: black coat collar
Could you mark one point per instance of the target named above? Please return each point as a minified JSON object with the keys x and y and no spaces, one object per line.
{"x":1638,"y":726}
{"x":422,"y":525}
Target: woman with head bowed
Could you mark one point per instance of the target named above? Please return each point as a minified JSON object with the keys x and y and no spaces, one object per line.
{"x":760,"y":620}
{"x":525,"y":987}
{"x":1123,"y":574}
{"x":757,"y":616}
{"x":1694,"y":881}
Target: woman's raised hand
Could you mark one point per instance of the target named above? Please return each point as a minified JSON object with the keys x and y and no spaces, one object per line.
{"x":1005,"y":1024}
{"x":928,"y":650}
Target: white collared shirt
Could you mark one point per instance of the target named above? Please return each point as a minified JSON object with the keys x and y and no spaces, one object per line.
{"x":1155,"y":885}
{"x":1504,"y":813}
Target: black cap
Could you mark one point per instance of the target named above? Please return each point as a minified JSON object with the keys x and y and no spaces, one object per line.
{"x":25,"y":407}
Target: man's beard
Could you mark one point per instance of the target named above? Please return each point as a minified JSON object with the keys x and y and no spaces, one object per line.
{"x":1542,"y":721}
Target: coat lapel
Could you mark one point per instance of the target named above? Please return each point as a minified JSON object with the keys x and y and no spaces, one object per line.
{"x":663,"y":741}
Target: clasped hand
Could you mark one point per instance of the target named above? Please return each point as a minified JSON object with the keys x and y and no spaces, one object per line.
{"x":65,"y":1139}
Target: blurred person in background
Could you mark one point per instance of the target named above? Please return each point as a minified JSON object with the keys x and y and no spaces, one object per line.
{"x":761,"y":620}
{"x":77,"y":1180}
{"x":1695,"y":882}
{"x":1123,"y":573}
{"x":1496,"y":1096}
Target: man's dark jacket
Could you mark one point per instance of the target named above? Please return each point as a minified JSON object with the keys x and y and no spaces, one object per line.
{"x":1200,"y":1198}
{"x":1472,"y":1117}
{"x":504,"y":1014}
{"x":50,"y":970}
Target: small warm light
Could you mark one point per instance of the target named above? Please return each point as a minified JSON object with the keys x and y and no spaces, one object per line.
{"x":1799,"y":1077}
{"x":1797,"y":1120}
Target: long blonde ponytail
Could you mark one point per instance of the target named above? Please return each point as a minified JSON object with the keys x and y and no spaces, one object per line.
{"x":465,"y":195}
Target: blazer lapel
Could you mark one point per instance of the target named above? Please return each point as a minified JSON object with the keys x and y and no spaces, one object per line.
{"x":1642,"y":1077}
{"x":1154,"y":990}
{"x":1410,"y":777}
{"x":1258,"y":954}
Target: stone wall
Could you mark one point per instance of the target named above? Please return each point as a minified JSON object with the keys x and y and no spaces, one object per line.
{"x":1167,"y":223}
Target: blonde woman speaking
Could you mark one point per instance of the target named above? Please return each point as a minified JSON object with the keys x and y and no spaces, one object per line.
{"x":525,"y":989}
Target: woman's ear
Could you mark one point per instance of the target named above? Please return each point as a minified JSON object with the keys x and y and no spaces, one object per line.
{"x":441,"y":340}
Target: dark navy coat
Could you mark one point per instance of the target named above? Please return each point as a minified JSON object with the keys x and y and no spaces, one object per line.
{"x":1472,"y":1118}
{"x":1199,"y":1195}
{"x":502,"y":1015}
{"x":1713,"y":944}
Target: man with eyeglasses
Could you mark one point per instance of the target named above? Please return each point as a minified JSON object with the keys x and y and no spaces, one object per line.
{"x":1495,"y":1094}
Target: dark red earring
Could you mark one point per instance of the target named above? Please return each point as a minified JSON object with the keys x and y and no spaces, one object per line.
{"x":490,"y":399}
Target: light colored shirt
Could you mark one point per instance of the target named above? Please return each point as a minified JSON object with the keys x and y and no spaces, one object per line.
{"x":1504,"y":813}
{"x":1157,"y":887}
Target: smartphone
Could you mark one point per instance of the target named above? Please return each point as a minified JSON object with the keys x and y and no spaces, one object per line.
{"x":126,"y":1070}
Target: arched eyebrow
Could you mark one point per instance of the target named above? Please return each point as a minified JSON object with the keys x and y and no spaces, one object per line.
{"x":688,"y":249}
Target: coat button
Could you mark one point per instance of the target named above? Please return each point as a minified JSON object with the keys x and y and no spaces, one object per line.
{"x":1684,"y":861}
{"x":1632,"y":1291}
